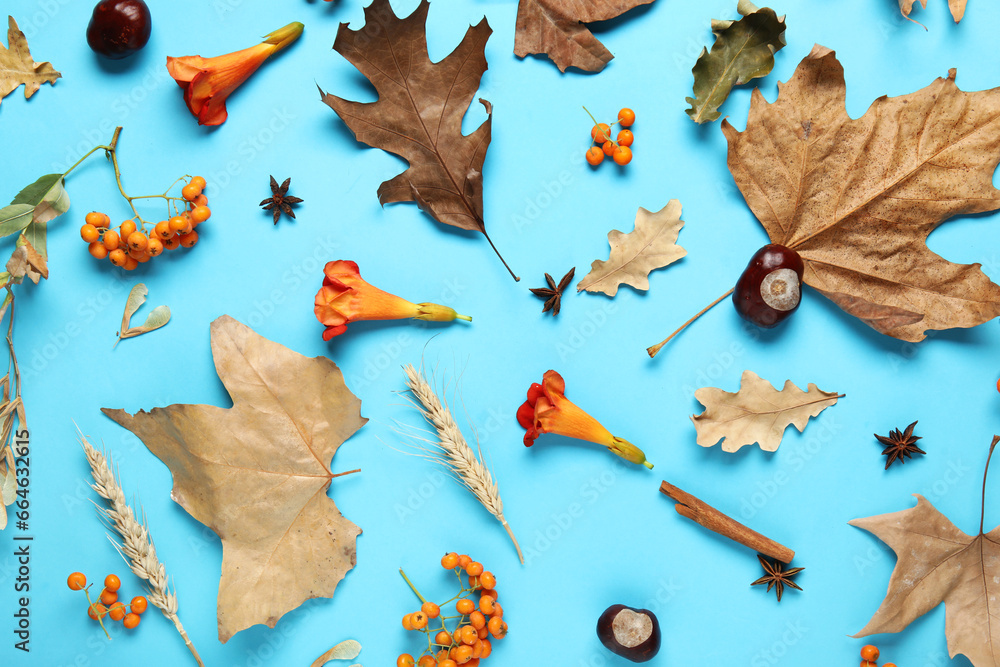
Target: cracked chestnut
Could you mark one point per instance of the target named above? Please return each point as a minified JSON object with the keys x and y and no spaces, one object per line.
{"x":631,"y":633}
{"x":770,"y":288}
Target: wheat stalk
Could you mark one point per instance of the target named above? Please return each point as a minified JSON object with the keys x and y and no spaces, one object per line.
{"x":453,"y":452}
{"x":136,"y":547}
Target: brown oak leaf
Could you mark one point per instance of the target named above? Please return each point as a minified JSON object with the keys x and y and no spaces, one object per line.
{"x":757,"y":413}
{"x":17,"y":67}
{"x":857,"y":198}
{"x":418,"y":114}
{"x":652,"y":244}
{"x":957,"y":8}
{"x":938,"y":563}
{"x":555,"y":28}
{"x":257,"y":473}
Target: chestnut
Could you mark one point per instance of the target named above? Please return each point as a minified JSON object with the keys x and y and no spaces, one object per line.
{"x":770,"y":288}
{"x":119,"y":28}
{"x":631,"y":633}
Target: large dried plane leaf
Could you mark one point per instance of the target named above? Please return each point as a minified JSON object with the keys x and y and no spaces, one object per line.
{"x":757,"y":413}
{"x":957,"y":7}
{"x":937,"y":563}
{"x":651,"y":245}
{"x":743,"y":50}
{"x":555,"y":28}
{"x":857,"y":199}
{"x":418,"y":114}
{"x":257,"y":473}
{"x":17,"y":67}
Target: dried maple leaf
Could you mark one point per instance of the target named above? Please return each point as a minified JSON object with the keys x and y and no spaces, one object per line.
{"x":757,"y":412}
{"x":938,"y":563}
{"x":652,"y":244}
{"x":257,"y":473}
{"x":743,"y":50}
{"x":957,"y":8}
{"x":555,"y":28}
{"x":858,"y":198}
{"x":418,"y":114}
{"x":17,"y":67}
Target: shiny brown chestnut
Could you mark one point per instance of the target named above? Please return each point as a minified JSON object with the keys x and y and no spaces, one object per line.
{"x":119,"y":28}
{"x":770,"y":288}
{"x":631,"y":633}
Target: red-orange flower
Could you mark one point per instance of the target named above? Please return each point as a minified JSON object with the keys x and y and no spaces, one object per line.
{"x":345,"y":297}
{"x":547,"y":410}
{"x":207,"y":82}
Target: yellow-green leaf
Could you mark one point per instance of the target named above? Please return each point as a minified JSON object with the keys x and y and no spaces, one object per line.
{"x":743,"y":50}
{"x":14,"y":218}
{"x":345,"y":650}
{"x":156,"y":319}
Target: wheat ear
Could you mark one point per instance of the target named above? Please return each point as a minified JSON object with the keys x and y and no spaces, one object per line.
{"x":454,"y":453}
{"x":136,"y":547}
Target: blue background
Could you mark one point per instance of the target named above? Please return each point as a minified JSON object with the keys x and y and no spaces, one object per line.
{"x":596,"y":531}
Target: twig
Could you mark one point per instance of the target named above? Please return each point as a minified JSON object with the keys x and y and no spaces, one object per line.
{"x":711,"y":518}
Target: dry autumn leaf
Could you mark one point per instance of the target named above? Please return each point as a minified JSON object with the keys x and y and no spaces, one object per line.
{"x":555,"y":28}
{"x":743,"y":50}
{"x":17,"y":67}
{"x":651,"y":245}
{"x":157,"y":318}
{"x":757,"y":413}
{"x":957,"y":8}
{"x":345,"y":650}
{"x":858,"y":198}
{"x":257,"y":473}
{"x":938,"y":563}
{"x":418,"y":115}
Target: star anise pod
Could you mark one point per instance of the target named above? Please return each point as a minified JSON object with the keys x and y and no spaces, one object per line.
{"x":899,"y":446}
{"x":553,"y":293}
{"x":279,"y":202}
{"x":776,"y":576}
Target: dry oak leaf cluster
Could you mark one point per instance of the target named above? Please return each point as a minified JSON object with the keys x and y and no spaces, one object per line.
{"x":938,"y":563}
{"x":957,"y":7}
{"x":757,"y":413}
{"x":555,"y":28}
{"x":857,"y":198}
{"x":419,"y":111}
{"x":652,"y":244}
{"x":17,"y":67}
{"x":257,"y":473}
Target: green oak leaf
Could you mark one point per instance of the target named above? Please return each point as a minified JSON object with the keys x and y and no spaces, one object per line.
{"x":743,"y":50}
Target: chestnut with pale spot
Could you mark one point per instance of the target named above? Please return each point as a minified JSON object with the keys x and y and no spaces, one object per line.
{"x":770,"y":288}
{"x":633,"y":634}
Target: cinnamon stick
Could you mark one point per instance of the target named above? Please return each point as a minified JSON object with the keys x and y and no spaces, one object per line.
{"x":711,"y":518}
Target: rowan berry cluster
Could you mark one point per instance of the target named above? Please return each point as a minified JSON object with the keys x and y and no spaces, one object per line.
{"x":136,"y":241}
{"x":477,"y":622}
{"x":617,"y":149}
{"x":869,"y":657}
{"x":108,"y":605}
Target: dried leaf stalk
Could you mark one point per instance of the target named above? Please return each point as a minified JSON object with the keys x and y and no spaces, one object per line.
{"x":454,"y":453}
{"x":136,"y":546}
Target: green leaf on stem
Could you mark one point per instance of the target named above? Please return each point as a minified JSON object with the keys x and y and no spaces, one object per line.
{"x":14,"y":218}
{"x":48,"y":200}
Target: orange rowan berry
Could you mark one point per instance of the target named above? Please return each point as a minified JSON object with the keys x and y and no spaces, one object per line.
{"x":477,"y":648}
{"x":488,"y":580}
{"x":625,"y":138}
{"x":97,"y":610}
{"x":497,"y":610}
{"x":447,"y":662}
{"x":96,"y":219}
{"x":600,"y":132}
{"x":868,"y":663}
{"x":172,"y":243}
{"x":427,"y":661}
{"x":198,"y":182}
{"x":487,"y":605}
{"x":200,"y":200}
{"x":408,"y":622}
{"x":76,"y":581}
{"x":465,"y":606}
{"x":489,"y":592}
{"x":449,"y":561}
{"x":468,"y":635}
{"x":474,"y":569}
{"x":108,"y":597}
{"x":200,"y":214}
{"x":131,"y":621}
{"x":111,"y":240}
{"x":623,"y":155}
{"x":177,"y":223}
{"x":112,"y":582}
{"x":117,"y":257}
{"x":483,"y":632}
{"x":189,"y":239}
{"x":404,"y":660}
{"x":442,"y":655}
{"x":418,"y":620}
{"x":190,"y":191}
{"x":477,"y":619}
{"x":443,"y":638}
{"x":626,"y":117}
{"x":431,"y":609}
{"x":154,"y":247}
{"x":462,"y":654}
{"x":609,"y":148}
{"x":98,"y":250}
{"x":474,"y":662}
{"x":137,"y":241}
{"x":162,"y":230}
{"x":497,"y":627}
{"x":869,"y":652}
{"x":126,"y":228}
{"x":89,"y":233}
{"x":473,"y":583}
{"x":463,"y":561}
{"x":117,"y":611}
{"x":487,"y":648}
{"x":130,"y":263}
{"x":889,"y":664}
{"x":595,"y":156}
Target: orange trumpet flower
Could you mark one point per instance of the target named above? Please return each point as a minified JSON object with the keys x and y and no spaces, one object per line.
{"x":547,"y":410}
{"x":345,"y":297}
{"x":207,"y":82}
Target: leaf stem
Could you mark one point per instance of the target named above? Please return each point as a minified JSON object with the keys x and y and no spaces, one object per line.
{"x":412,"y":587}
{"x":982,"y":512}
{"x":512,"y":275}
{"x":349,"y":472}
{"x":656,"y":348}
